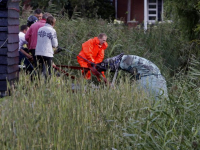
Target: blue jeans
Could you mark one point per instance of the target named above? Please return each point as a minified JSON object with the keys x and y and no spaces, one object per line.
{"x":27,"y":63}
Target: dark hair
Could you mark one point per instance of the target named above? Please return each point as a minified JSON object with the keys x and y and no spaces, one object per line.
{"x":46,"y":15}
{"x":23,"y":27}
{"x":38,"y":11}
{"x":51,"y":20}
{"x":101,"y":35}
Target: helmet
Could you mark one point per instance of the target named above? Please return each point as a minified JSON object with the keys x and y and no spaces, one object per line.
{"x":31,"y":19}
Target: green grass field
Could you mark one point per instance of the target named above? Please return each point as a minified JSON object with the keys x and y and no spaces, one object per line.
{"x":50,"y":115}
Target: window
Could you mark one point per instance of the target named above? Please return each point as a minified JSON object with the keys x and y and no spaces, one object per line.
{"x":152,"y":1}
{"x":152,"y":6}
{"x":152,"y":10}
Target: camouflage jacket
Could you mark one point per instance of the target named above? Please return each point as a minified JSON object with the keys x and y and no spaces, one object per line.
{"x":136,"y":64}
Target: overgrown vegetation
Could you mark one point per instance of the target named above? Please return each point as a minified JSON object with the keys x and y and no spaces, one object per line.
{"x":51,"y":115}
{"x":186,"y":15}
{"x":83,"y":8}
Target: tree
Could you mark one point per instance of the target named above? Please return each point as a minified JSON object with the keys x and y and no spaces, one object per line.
{"x":85,"y":8}
{"x":186,"y":14}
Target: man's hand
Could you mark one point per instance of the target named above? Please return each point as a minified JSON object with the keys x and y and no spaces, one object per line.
{"x":91,"y":65}
{"x":53,"y":64}
{"x":29,"y":57}
{"x":58,"y":50}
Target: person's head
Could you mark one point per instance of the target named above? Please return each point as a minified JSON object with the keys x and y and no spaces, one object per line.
{"x":38,"y":14}
{"x":46,"y":15}
{"x":51,"y":20}
{"x":24,"y":28}
{"x":102,"y":38}
{"x":31,"y":19}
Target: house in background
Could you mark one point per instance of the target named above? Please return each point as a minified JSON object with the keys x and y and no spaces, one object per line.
{"x":139,"y":11}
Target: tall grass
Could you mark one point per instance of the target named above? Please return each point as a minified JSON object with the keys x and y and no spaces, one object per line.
{"x":50,"y":115}
{"x":161,"y":44}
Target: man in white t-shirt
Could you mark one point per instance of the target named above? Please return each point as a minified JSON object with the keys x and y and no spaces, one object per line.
{"x":24,"y":56}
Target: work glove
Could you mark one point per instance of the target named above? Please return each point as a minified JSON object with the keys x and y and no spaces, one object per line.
{"x":101,"y":67}
{"x":91,"y":65}
{"x":58,"y":50}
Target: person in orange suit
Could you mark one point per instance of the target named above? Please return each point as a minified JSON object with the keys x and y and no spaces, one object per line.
{"x":92,"y":50}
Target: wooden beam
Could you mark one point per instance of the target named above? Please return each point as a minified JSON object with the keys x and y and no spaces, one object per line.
{"x":3,"y":86}
{"x":3,"y":69}
{"x":3,"y":51}
{"x":3,"y":60}
{"x":13,"y":38}
{"x":12,"y":68}
{"x":3,"y":36}
{"x":13,"y":29}
{"x":13,"y":21}
{"x":129,"y":10}
{"x":13,"y":54}
{"x":3,"y":14}
{"x":13,"y":61}
{"x":3,"y":44}
{"x":145,"y":15}
{"x":3,"y":29}
{"x":12,"y":47}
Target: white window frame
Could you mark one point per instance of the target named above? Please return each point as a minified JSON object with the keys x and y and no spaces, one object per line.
{"x":152,"y":9}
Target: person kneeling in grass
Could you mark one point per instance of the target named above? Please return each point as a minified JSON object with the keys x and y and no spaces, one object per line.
{"x":146,"y":74}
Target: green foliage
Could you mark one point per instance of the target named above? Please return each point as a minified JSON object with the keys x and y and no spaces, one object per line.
{"x":85,"y":8}
{"x":161,"y":44}
{"x":49,"y":115}
{"x":186,"y":14}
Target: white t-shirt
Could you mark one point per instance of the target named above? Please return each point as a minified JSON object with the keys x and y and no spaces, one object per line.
{"x":22,"y":40}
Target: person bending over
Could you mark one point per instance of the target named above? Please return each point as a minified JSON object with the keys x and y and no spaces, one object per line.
{"x":146,"y":74}
{"x":93,"y":51}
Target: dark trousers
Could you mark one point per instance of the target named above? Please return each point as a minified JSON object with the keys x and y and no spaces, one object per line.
{"x":32,"y":51}
{"x":45,"y":63}
{"x":28,"y":65}
{"x":22,"y":58}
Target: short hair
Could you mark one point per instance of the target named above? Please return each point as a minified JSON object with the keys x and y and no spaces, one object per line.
{"x":46,"y":15}
{"x":23,"y":27}
{"x":50,"y":20}
{"x":38,"y":11}
{"x":101,"y":35}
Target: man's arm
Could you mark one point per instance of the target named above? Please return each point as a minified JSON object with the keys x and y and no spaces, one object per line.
{"x":54,"y":40}
{"x":100,"y":56}
{"x":26,"y":54}
{"x":88,"y":51}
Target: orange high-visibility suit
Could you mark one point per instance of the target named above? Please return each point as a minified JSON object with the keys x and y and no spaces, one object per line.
{"x":92,"y":51}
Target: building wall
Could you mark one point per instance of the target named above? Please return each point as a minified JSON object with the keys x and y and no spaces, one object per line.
{"x":121,"y":9}
{"x":9,"y":29}
{"x":137,"y":10}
